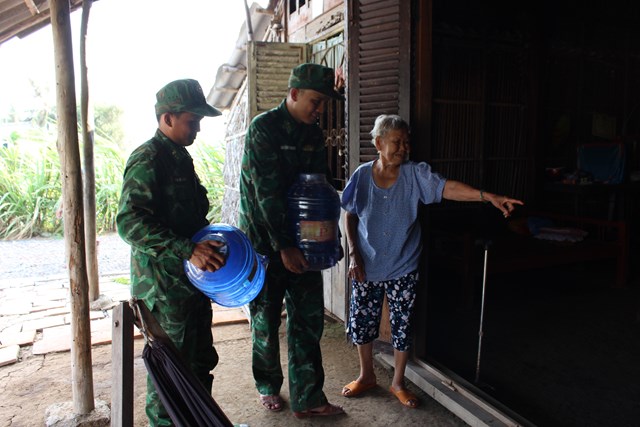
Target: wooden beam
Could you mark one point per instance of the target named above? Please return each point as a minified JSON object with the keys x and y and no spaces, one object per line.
{"x":16,"y":20}
{"x":32,"y":7}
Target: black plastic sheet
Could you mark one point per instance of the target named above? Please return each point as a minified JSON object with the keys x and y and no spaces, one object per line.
{"x":183,"y":396}
{"x":186,"y":400}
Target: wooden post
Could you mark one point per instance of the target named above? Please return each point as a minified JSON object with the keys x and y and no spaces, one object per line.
{"x":69,"y":152}
{"x":86,"y":114}
{"x":122,"y":366}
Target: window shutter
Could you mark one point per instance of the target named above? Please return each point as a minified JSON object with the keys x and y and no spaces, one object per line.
{"x":270,"y":65}
{"x":378,"y":70}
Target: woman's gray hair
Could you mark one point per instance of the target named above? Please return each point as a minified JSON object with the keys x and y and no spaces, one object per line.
{"x":387,"y":122}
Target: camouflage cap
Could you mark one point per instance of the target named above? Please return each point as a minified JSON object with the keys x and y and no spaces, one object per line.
{"x":183,"y":95}
{"x":315,"y":77}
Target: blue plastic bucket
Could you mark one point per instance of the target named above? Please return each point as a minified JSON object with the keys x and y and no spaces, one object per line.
{"x":240,"y":280}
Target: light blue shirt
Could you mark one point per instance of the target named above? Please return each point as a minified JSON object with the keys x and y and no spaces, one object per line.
{"x":389,"y":234}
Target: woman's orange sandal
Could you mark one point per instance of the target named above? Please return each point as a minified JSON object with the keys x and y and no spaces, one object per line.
{"x":405,"y":397}
{"x":355,"y":388}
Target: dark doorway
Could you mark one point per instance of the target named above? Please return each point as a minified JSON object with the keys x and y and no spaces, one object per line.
{"x":516,"y":92}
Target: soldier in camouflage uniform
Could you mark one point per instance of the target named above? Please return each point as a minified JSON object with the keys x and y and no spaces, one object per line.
{"x":161,"y":207}
{"x":279,"y":145}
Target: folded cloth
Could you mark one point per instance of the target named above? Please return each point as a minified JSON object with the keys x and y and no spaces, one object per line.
{"x":559,"y":234}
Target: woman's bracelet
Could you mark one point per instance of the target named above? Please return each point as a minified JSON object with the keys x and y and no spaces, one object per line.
{"x":482,"y":199}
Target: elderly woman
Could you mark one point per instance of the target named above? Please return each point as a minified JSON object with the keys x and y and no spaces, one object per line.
{"x":381,"y":200}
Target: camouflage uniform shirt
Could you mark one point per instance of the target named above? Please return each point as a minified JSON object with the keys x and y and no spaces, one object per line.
{"x":162,"y":205}
{"x":277,"y":148}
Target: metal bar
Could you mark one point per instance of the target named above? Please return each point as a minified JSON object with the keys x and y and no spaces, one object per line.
{"x":480,"y":331}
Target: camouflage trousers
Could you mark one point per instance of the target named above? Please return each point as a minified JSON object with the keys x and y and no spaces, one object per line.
{"x":188,"y":324}
{"x":303,"y":296}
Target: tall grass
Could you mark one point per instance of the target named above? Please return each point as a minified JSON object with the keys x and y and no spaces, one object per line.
{"x":30,"y":185}
{"x":208,"y":161}
{"x":109,"y":167}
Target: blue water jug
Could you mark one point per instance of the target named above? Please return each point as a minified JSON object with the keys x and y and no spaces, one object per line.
{"x":313,"y":212}
{"x":240,"y":280}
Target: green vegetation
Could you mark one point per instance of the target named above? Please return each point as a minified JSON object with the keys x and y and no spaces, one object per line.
{"x":122,"y":280}
{"x":30,"y":188}
{"x":30,"y":184}
{"x":208,"y":162}
{"x":108,"y":123}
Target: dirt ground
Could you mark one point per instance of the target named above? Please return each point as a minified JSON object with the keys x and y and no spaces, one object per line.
{"x":30,"y":386}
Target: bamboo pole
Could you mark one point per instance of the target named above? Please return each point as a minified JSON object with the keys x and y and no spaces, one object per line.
{"x":87,"y":124}
{"x":68,"y":150}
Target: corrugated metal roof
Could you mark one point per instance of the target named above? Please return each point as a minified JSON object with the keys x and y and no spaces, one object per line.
{"x":231,"y":74}
{"x":19,"y":18}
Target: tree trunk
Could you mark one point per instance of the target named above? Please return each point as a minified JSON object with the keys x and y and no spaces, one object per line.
{"x":86,"y":114}
{"x":69,"y":152}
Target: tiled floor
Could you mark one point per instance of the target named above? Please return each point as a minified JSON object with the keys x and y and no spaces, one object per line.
{"x":37,"y":314}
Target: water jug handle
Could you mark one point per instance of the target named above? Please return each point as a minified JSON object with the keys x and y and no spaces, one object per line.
{"x":218,"y":237}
